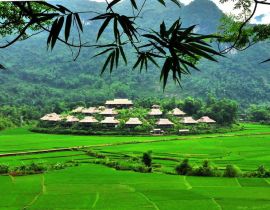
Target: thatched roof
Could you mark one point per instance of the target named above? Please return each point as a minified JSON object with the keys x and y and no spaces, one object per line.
{"x":89,"y":120}
{"x":188,"y":120}
{"x":47,"y":116}
{"x":119,"y":102}
{"x":90,"y":110}
{"x":206,"y":119}
{"x":109,"y":120}
{"x":71,"y":119}
{"x":101,"y":108}
{"x":133,"y":121}
{"x":164,"y":122}
{"x":78,"y":110}
{"x":108,"y":112}
{"x":155,"y":112}
{"x":52,"y":117}
{"x":155,"y":106}
{"x":177,"y":112}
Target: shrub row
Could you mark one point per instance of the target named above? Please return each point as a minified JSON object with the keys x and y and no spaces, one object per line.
{"x":201,"y":129}
{"x":185,"y":168}
{"x":85,"y":132}
{"x":95,"y":154}
{"x":124,"y":165}
{"x":4,"y":169}
{"x":34,"y":168}
{"x":130,"y":164}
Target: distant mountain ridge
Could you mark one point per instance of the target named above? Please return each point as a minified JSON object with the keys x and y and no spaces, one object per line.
{"x":38,"y":77}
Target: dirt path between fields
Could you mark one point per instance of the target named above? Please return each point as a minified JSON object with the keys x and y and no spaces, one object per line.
{"x":127,"y":142}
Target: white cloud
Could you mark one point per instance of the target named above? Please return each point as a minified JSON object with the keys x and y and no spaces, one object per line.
{"x":265,"y":11}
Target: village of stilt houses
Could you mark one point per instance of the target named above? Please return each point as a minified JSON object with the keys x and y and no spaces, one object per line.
{"x":121,"y":116}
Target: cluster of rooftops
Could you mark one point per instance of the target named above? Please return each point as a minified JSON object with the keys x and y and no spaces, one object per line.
{"x":109,"y":113}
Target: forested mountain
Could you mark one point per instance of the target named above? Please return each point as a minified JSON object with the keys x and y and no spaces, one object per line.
{"x":39,"y":77}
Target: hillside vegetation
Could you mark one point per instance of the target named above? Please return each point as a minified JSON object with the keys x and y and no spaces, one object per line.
{"x":38,"y":77}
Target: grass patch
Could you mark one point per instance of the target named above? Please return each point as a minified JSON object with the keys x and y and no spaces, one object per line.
{"x":95,"y":186}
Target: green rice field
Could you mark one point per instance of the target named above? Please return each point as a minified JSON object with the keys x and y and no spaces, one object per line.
{"x":94,"y":186}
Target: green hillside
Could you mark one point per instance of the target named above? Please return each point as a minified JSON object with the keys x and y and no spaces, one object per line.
{"x":37,"y":77}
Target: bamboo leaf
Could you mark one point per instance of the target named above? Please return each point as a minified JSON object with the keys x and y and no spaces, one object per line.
{"x":162,"y":2}
{"x":116,"y":31}
{"x":123,"y":54}
{"x":138,"y":62}
{"x":153,"y":61}
{"x":165,"y":72}
{"x":62,"y":8}
{"x":51,"y":32}
{"x":110,"y":5}
{"x":112,"y":61}
{"x":68,"y":26}
{"x":155,"y":38}
{"x":78,"y":21}
{"x":267,"y":60}
{"x":103,"y":26}
{"x":176,"y":2}
{"x":106,"y":64}
{"x":133,"y":2}
{"x":102,"y":16}
{"x":56,"y":30}
{"x":107,"y":50}
{"x":116,"y":57}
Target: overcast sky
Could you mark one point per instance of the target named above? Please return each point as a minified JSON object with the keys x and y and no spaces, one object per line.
{"x":262,"y":15}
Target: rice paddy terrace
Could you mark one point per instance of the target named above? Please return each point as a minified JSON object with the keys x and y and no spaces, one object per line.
{"x":94,"y":186}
